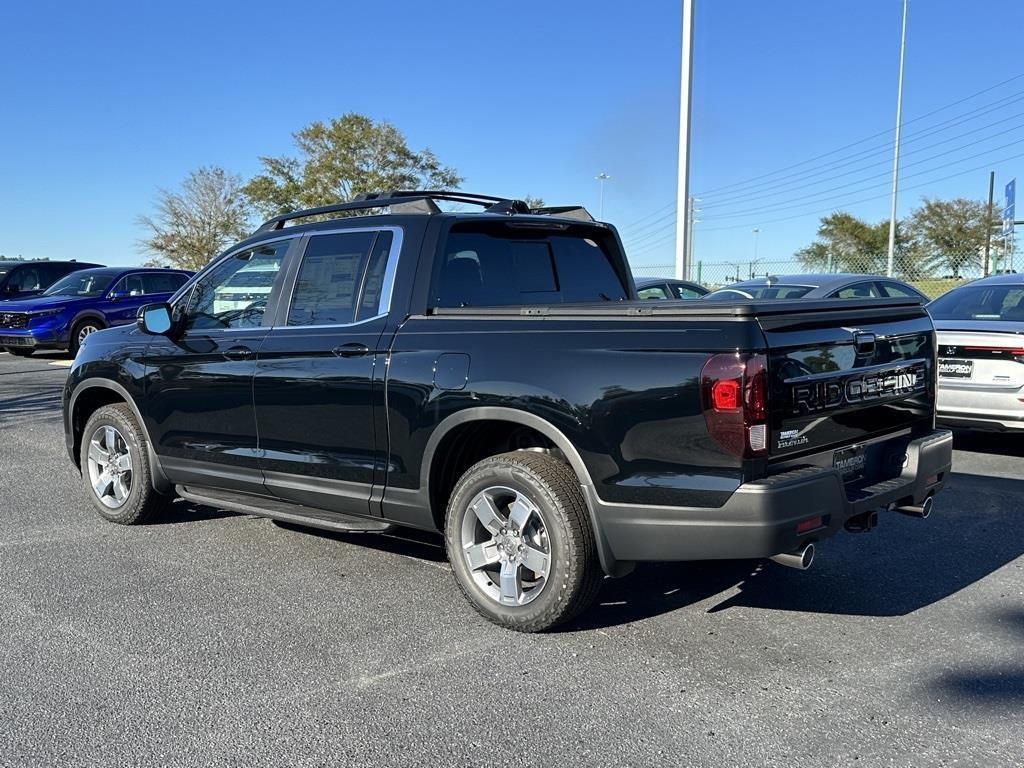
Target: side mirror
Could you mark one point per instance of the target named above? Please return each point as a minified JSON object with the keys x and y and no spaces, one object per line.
{"x":155,"y":319}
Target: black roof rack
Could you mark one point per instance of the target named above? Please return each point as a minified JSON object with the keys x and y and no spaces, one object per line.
{"x":422,"y":201}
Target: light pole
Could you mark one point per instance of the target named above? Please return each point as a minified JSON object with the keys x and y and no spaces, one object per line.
{"x":756,"y":231}
{"x":601,"y":178}
{"x":683,"y":222}
{"x":896,"y":146}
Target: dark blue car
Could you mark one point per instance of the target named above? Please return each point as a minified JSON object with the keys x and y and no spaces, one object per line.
{"x":81,"y":303}
{"x":21,"y":279}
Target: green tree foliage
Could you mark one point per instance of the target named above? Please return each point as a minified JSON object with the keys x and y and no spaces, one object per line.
{"x":338,"y":160}
{"x":950,"y":234}
{"x":847,"y":244}
{"x":192,"y":226}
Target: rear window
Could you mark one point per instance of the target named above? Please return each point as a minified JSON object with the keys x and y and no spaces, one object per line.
{"x":761,"y":292}
{"x":491,"y":267}
{"x":980,"y":302}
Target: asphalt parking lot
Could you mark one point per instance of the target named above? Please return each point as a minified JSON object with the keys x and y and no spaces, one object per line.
{"x":218,"y":639}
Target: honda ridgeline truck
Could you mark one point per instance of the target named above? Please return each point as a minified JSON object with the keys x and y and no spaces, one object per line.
{"x":492,"y":376}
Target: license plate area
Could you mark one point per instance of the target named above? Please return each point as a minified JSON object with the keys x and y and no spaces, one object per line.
{"x":850,"y":462}
{"x":956,"y":369}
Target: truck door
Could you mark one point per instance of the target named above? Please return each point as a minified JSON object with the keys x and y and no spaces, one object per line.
{"x":318,"y":369}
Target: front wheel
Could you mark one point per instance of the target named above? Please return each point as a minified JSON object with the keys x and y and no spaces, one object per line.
{"x":79,"y":333}
{"x":115,"y":468}
{"x":520,"y":541}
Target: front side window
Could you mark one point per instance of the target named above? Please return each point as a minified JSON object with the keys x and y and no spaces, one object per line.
{"x":234,"y":293}
{"x":654,"y":292}
{"x":84,"y":283}
{"x":329,"y":279}
{"x":129,"y":285}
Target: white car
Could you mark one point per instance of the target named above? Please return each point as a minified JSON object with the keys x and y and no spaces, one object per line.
{"x":981,"y":354}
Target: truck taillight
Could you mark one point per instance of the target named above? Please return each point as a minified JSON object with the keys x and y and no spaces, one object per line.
{"x":734,"y":393}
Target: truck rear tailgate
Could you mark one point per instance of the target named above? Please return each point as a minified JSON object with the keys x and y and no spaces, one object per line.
{"x":846,"y":373}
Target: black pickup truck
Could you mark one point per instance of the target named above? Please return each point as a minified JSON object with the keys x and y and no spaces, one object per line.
{"x":492,"y":375}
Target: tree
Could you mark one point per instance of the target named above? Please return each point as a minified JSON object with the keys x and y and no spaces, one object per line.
{"x":192,"y":226}
{"x":847,"y":244}
{"x":348,"y":156}
{"x":951,"y":233}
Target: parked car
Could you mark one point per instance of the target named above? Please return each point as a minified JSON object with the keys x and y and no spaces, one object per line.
{"x":21,"y":279}
{"x":813,"y":286}
{"x":79,"y":304}
{"x":981,"y":354}
{"x":493,"y":376}
{"x":667,"y":288}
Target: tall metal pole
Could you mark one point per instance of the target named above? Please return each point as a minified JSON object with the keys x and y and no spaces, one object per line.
{"x":896,"y":146}
{"x":602,"y":178}
{"x":691,"y":209}
{"x":683,"y":212}
{"x":988,"y":229}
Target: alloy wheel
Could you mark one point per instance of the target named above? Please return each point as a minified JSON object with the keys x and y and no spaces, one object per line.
{"x":505,"y":545}
{"x":110,"y":466}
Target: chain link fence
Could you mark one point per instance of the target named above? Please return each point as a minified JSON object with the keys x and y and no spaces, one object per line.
{"x":931,"y":280}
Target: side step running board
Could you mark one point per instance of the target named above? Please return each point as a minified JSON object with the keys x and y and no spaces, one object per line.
{"x":276,"y":509}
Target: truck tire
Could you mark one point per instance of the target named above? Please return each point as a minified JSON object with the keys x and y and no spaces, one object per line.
{"x":20,"y":351}
{"x":520,"y":542}
{"x":115,"y":468}
{"x":82,"y":329}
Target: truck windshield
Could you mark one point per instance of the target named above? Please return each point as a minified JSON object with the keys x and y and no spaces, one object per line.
{"x":80,"y":284}
{"x":491,"y":266}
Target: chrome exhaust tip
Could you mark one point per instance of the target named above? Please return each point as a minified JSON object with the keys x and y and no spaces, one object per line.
{"x":801,"y":559}
{"x":914,"y":510}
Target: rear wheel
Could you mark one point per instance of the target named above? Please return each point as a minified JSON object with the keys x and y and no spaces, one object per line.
{"x":79,"y":333}
{"x":20,"y":351}
{"x":520,"y":541}
{"x":115,"y":468}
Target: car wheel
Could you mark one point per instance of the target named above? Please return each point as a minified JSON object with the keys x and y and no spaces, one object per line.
{"x":80,"y":332}
{"x":115,"y":468}
{"x":19,"y":351}
{"x":520,"y":542}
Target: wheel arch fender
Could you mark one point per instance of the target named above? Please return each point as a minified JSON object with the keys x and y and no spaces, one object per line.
{"x":523,"y":418}
{"x":159,"y":480}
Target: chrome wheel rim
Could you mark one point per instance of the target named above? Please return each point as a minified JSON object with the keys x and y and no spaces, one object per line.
{"x":505,"y":546}
{"x":110,"y":466}
{"x":85,"y":331}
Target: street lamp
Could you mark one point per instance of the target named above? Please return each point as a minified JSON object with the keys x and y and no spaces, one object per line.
{"x":601,"y":178}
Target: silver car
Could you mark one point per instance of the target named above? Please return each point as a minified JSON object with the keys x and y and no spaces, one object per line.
{"x":981,"y":354}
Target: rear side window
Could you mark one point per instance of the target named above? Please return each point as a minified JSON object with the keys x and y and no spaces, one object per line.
{"x":857,"y":291}
{"x":686,"y":292}
{"x":492,"y":267}
{"x":897,"y":291}
{"x":330,"y":278}
{"x":155,"y":282}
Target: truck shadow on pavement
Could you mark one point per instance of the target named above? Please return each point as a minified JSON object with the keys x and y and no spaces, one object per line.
{"x":904,"y":565}
{"x":994,"y":443}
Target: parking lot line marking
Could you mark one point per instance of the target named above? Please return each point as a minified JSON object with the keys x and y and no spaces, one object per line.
{"x":62,"y":363}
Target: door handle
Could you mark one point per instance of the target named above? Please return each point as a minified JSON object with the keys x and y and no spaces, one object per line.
{"x":352,"y":349}
{"x":238,"y":353}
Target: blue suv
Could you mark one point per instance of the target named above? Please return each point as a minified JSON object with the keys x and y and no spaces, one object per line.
{"x":81,"y":303}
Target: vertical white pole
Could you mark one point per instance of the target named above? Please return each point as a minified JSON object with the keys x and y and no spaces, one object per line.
{"x":896,"y":146}
{"x":683,"y":222}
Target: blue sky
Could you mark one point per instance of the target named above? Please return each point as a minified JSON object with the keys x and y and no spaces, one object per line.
{"x":102,"y":103}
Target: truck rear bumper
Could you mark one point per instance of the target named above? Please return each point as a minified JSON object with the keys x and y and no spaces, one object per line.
{"x":761,"y":518}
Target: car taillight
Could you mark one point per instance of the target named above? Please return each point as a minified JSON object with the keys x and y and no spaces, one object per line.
{"x":734,"y":393}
